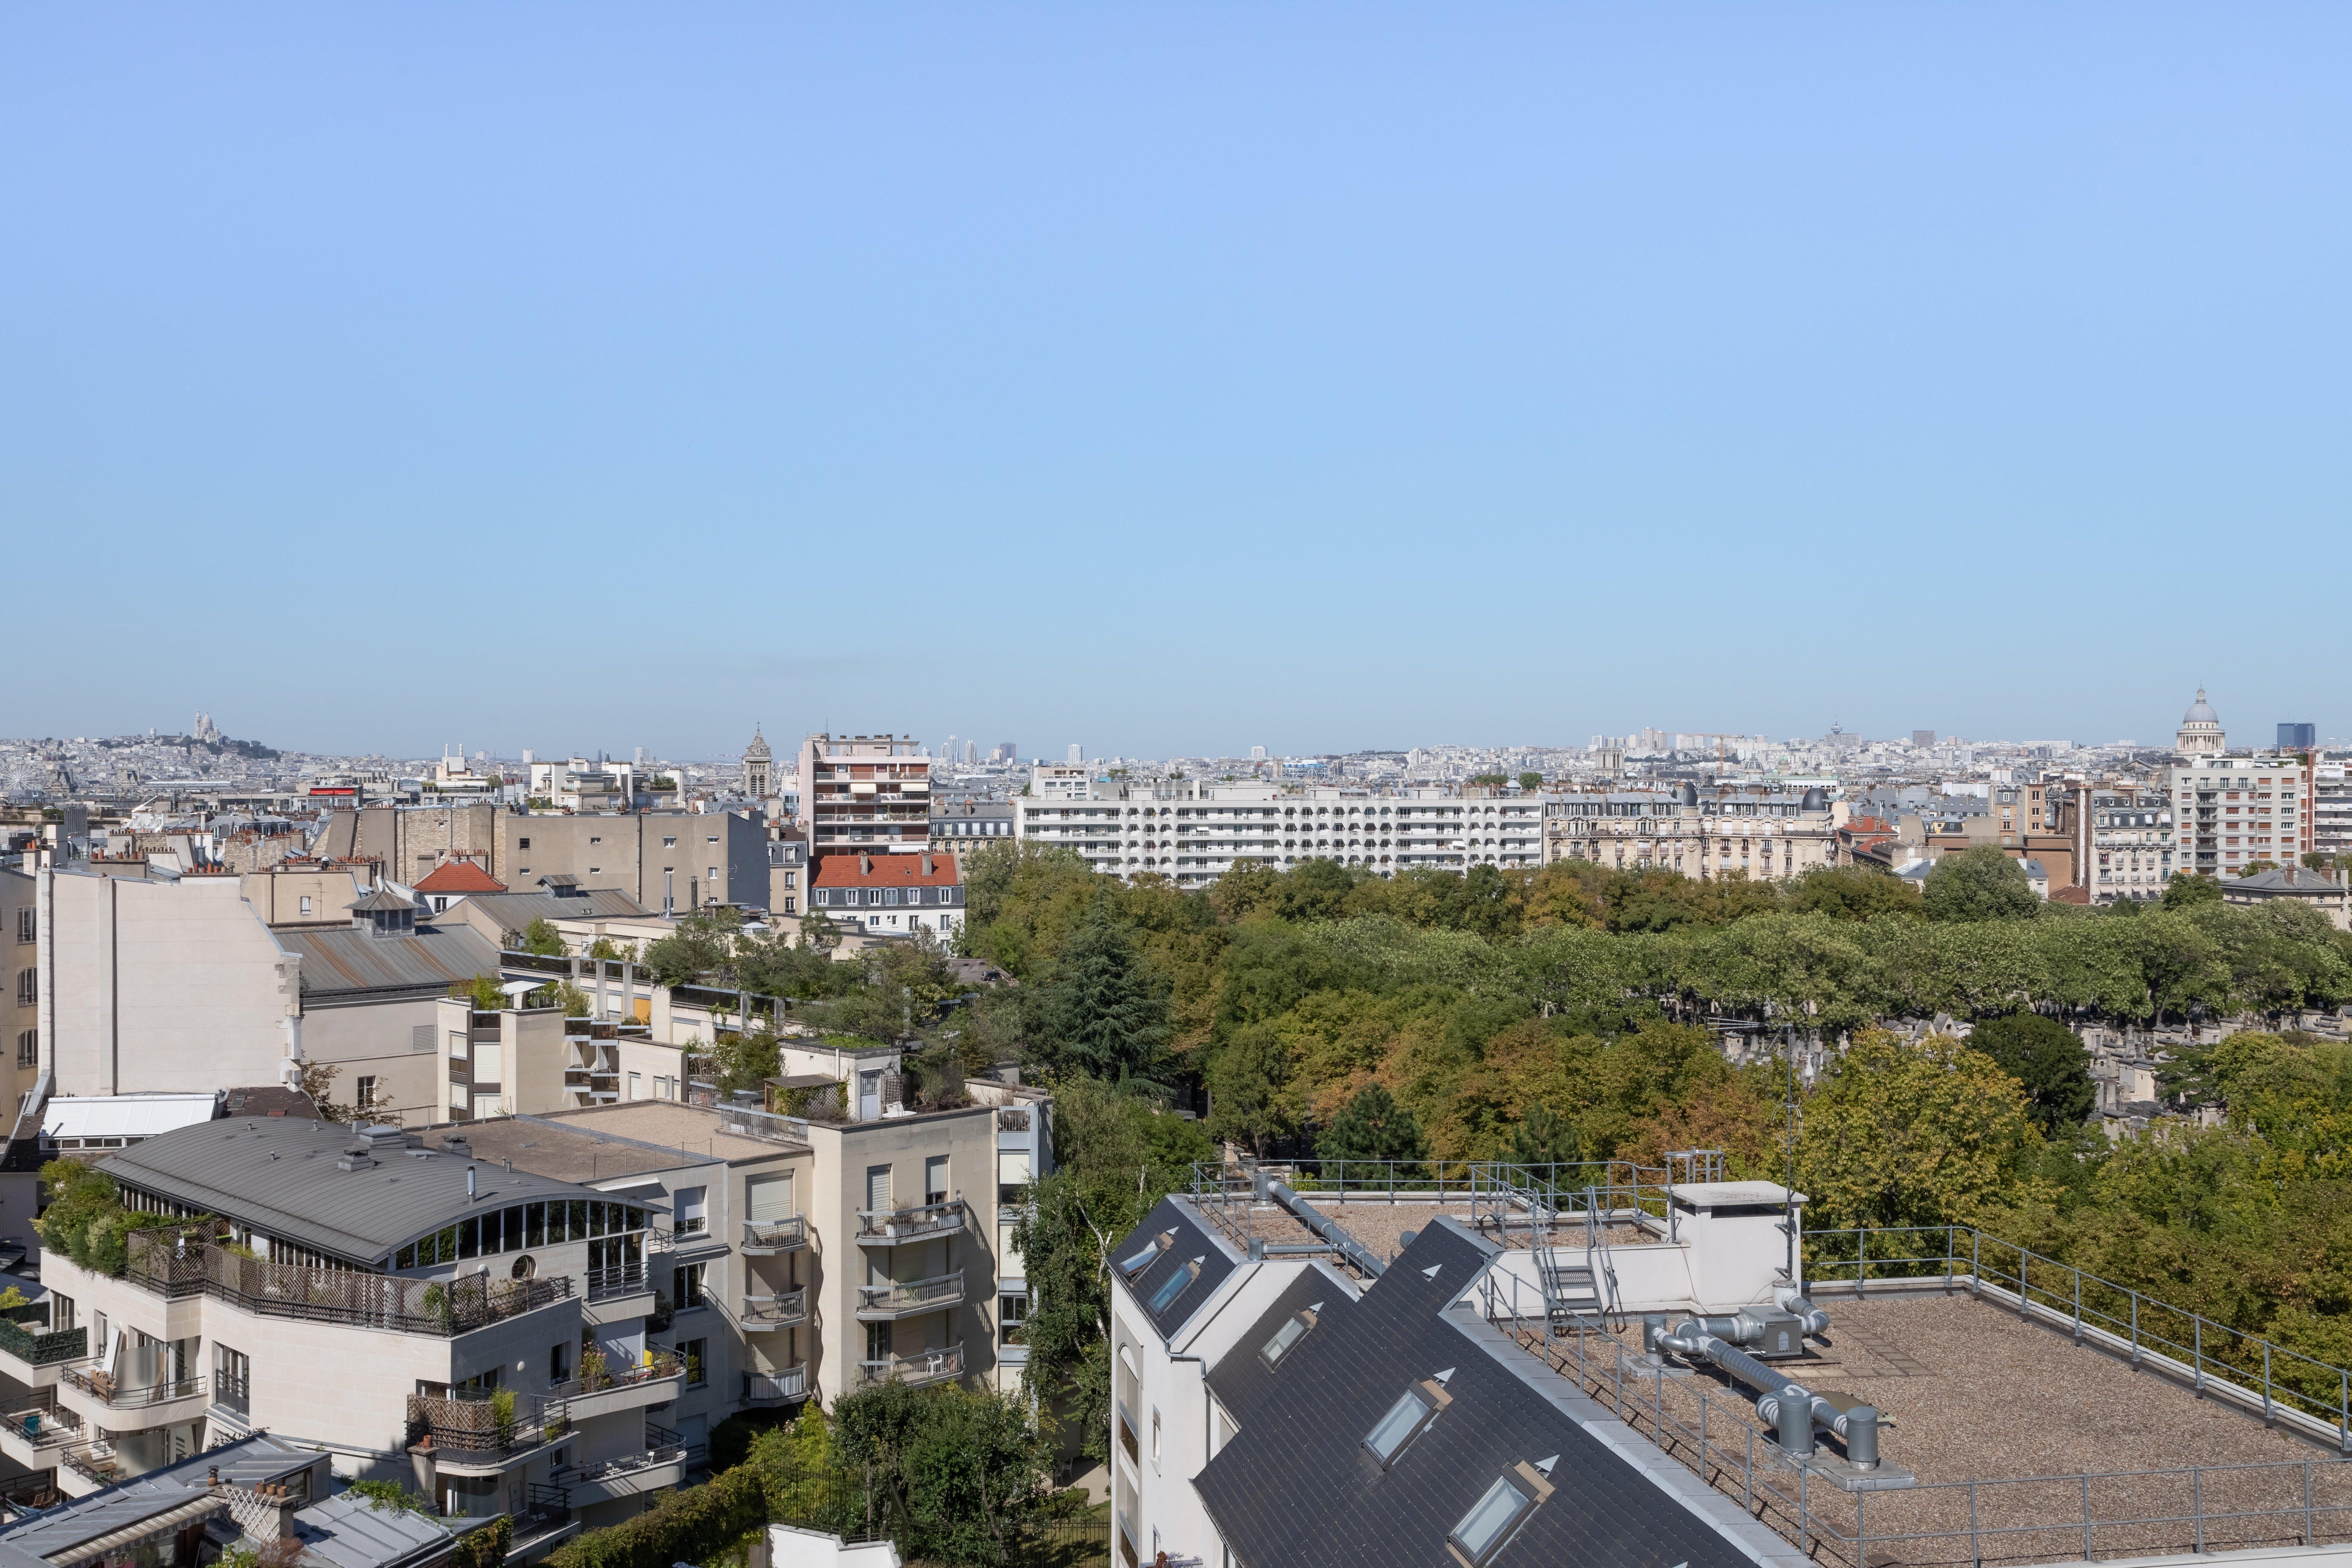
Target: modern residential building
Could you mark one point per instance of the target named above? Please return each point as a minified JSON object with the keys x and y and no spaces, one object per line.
{"x":1705,"y":835}
{"x":867,"y":794}
{"x":413,"y":1312}
{"x":1195,"y":832}
{"x":892,"y":895}
{"x":2230,"y":811}
{"x":2331,"y":806}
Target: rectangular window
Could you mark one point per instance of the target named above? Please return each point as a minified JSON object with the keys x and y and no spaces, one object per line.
{"x":935,"y":1179}
{"x":1171,"y":1288}
{"x":28,"y":1049}
{"x":696,"y":1354}
{"x":365,"y":1093}
{"x":1402,"y":1423}
{"x":26,"y":929}
{"x":534,"y":1225}
{"x":691,"y":1204}
{"x":523,"y":844}
{"x":306,"y":903}
{"x":558,"y":1362}
{"x":637,"y":1086}
{"x":1011,"y":1319}
{"x":686,"y":1286}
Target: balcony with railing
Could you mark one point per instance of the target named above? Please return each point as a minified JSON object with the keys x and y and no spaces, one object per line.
{"x":87,"y":1382}
{"x":923,"y":1366}
{"x":175,"y":1265}
{"x":904,"y":1298}
{"x":632,"y":1473}
{"x":95,"y":1464}
{"x":32,"y":1354}
{"x":765,"y":1313}
{"x":600,"y":1390}
{"x":618,"y":1280}
{"x":891,"y":1227}
{"x":764,"y":1238}
{"x":744,"y":1121}
{"x":477,"y":1433}
{"x":31,"y":1436}
{"x":775,"y":1387}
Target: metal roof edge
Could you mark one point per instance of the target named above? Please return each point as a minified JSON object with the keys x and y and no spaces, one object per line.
{"x":1695,"y":1497}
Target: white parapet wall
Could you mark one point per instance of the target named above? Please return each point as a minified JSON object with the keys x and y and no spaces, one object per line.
{"x":789,"y":1546}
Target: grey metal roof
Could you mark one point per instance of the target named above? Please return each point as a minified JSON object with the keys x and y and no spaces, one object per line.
{"x":338,"y":960}
{"x":516,"y":911}
{"x":380,"y":899}
{"x":247,"y":1462}
{"x":280,"y":1175}
{"x":347,"y":1531}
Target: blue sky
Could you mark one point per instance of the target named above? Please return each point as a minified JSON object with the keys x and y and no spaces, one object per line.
{"x":1172,"y":379}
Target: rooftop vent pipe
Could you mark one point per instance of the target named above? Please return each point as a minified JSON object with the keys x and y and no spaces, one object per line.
{"x":1346,"y":1245}
{"x":1788,"y":1407}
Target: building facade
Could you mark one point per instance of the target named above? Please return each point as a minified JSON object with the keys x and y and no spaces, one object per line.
{"x":892,"y":895}
{"x":866,"y":795}
{"x":1194,"y":833}
{"x":2229,"y":812}
{"x":1764,"y":834}
{"x":2200,"y":734}
{"x":2131,"y":847}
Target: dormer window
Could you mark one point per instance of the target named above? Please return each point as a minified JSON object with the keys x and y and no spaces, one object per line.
{"x":1415,"y":1408}
{"x":1294,"y":1329}
{"x":1173,"y":1285}
{"x":1497,"y":1516}
{"x":1131,"y":1267}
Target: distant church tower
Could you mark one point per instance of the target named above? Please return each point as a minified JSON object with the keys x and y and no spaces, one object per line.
{"x":2199,"y":734}
{"x":756,"y":759}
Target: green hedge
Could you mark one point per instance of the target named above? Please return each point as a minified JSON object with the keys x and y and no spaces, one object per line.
{"x":694,"y":1525}
{"x":485,"y":1547}
{"x":42,"y":1348}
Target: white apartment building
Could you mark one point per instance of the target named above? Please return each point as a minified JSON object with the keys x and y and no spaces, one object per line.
{"x":1762,"y":834}
{"x":1195,"y":833}
{"x":2131,"y":843}
{"x":2230,"y":811}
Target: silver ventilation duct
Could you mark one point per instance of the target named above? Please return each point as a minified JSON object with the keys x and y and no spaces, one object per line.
{"x":1788,"y":1407}
{"x":1315,"y":1220}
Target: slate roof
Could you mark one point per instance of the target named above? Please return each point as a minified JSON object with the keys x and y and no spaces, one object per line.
{"x":1242,"y":1380}
{"x":280,"y":1174}
{"x":247,"y":1462}
{"x":1297,"y":1487}
{"x":349,"y":1531}
{"x":339,"y":961}
{"x":1192,"y":1240}
{"x":516,"y":911}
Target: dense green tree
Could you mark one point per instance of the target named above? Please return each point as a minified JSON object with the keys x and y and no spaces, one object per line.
{"x":1531,"y":781}
{"x":1102,"y":1011}
{"x":1979,"y":884}
{"x":1905,"y":1134}
{"x":541,"y":937}
{"x":1542,"y":1138}
{"x":2190,"y":889}
{"x":1247,"y":1078}
{"x":1373,"y":1126}
{"x":965,"y":1467}
{"x":2043,"y":1055}
{"x":1851,"y":893}
{"x":701,"y":949}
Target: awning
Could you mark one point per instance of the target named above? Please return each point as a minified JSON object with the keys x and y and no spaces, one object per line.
{"x":166,"y":1523}
{"x":524,"y":987}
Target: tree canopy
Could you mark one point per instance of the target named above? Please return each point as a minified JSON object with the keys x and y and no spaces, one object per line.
{"x":1980,"y":884}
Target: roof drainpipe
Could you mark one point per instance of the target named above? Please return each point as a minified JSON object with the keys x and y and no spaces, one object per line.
{"x":1346,"y":1245}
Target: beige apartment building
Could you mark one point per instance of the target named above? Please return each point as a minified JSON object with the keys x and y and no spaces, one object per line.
{"x":20,"y":1002}
{"x":1763,"y":835}
{"x":665,"y":860}
{"x":864,"y":794}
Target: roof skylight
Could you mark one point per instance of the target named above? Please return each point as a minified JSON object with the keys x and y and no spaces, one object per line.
{"x":1131,"y":1267}
{"x":1294,"y":1329}
{"x":1495,"y":1516}
{"x":1173,"y":1285}
{"x":1415,"y":1409}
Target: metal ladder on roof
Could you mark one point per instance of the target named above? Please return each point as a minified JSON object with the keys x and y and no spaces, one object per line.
{"x":1576,"y":1295}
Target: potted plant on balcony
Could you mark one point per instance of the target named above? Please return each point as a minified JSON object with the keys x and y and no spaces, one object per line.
{"x":593,"y":1371}
{"x":502,"y":1416}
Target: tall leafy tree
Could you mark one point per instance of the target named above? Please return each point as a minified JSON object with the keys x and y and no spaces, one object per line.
{"x":1903,"y":1134}
{"x":1373,"y":1126}
{"x":2043,"y":1055}
{"x":1980,"y":884}
{"x":1103,"y":1011}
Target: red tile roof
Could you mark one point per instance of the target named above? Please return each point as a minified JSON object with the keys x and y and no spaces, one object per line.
{"x":885,"y":871}
{"x":460,"y":876}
